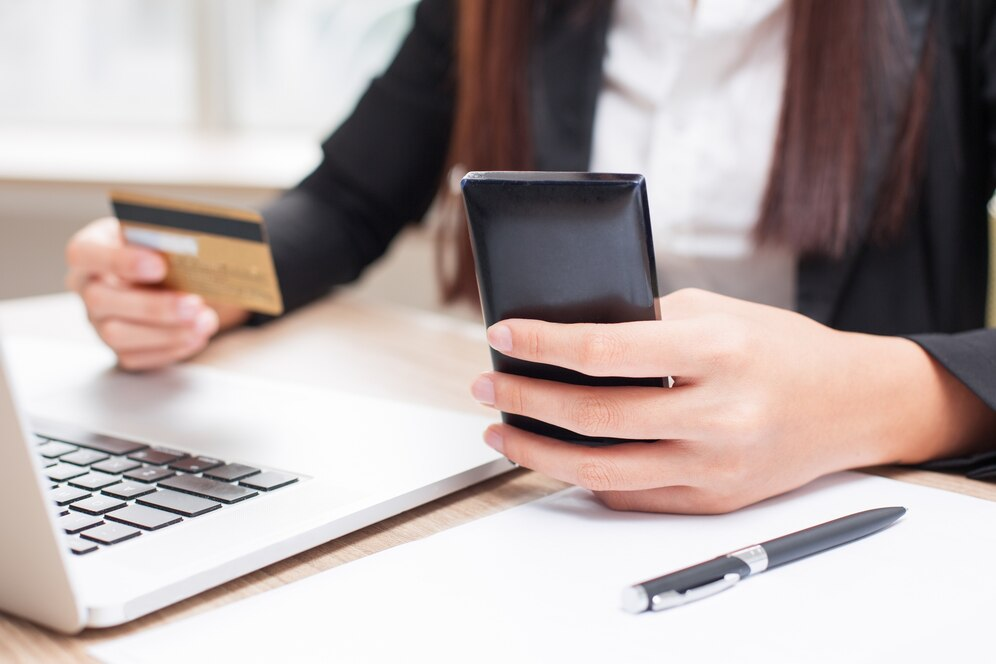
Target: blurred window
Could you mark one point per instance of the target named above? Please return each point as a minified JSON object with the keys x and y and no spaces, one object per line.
{"x":254,"y":65}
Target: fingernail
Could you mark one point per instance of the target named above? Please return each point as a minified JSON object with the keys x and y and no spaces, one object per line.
{"x":500,"y":338}
{"x":483,"y":390}
{"x":188,"y":307}
{"x":494,"y":441}
{"x":149,"y":268}
{"x":207,"y":322}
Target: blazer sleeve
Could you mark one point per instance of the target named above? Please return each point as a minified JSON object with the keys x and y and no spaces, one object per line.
{"x":380,"y":168}
{"x":971,"y":356}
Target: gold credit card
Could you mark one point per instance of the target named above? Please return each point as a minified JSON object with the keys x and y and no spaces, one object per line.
{"x":219,"y":253}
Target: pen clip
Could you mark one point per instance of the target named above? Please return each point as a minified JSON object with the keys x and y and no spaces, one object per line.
{"x":673,"y":598}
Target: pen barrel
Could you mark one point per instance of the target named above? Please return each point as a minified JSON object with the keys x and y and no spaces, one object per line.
{"x":829,"y":535}
{"x":696,"y":576}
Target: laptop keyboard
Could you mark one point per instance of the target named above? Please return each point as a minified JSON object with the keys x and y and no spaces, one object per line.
{"x":109,"y":490}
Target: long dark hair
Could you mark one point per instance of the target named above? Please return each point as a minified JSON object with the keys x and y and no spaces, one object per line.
{"x":843,"y":57}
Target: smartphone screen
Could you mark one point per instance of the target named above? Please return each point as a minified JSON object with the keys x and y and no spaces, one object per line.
{"x":564,"y":248}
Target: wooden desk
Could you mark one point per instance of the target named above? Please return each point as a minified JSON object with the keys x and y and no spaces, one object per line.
{"x":340,"y":342}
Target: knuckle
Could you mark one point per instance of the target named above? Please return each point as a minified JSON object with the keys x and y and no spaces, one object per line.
{"x":71,"y":282}
{"x":129,"y":363}
{"x":531,"y":339}
{"x":599,"y":349}
{"x":515,"y":452}
{"x":79,"y":251}
{"x":598,"y":475}
{"x":747,"y":418}
{"x":113,"y":333}
{"x":733,"y":471}
{"x":730,"y":342}
{"x":510,"y":396}
{"x":122,"y":264}
{"x":73,"y":249}
{"x":93,"y":296}
{"x":153,"y":308}
{"x":594,"y":415}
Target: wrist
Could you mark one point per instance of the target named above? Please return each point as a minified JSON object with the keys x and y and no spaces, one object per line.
{"x":909,"y":408}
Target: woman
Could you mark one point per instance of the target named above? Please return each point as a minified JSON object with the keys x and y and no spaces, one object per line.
{"x":828,"y":157}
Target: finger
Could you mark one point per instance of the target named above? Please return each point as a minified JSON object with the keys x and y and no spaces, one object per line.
{"x":98,"y":250}
{"x":685,"y":347}
{"x":148,"y":306}
{"x":76,"y":281}
{"x":616,"y":412}
{"x":623,"y":467}
{"x":126,"y":337}
{"x":158,"y":359}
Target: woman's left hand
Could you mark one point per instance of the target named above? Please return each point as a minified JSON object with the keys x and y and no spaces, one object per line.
{"x":765,"y":400}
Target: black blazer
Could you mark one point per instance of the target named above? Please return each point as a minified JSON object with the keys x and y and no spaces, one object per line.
{"x":381,"y":169}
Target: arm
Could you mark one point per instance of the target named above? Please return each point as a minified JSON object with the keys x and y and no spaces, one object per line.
{"x":971,"y":356}
{"x":765,"y":401}
{"x":380,"y":171}
{"x":380,"y":168}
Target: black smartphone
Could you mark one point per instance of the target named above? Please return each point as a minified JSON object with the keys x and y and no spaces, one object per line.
{"x":564,"y":248}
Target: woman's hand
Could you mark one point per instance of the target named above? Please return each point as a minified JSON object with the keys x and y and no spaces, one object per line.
{"x":146,"y":326}
{"x":765,"y":400}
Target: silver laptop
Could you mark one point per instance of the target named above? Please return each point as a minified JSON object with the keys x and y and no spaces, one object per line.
{"x":137,"y":491}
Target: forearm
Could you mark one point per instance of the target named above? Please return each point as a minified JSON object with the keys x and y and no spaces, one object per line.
{"x":911,"y":408}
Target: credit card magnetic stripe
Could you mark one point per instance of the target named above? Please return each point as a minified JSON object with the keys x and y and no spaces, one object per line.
{"x":194,"y":222}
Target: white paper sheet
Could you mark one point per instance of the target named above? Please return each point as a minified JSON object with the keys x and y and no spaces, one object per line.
{"x":541,"y":583}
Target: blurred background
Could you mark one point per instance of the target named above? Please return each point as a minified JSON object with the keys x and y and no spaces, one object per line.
{"x":219,"y":100}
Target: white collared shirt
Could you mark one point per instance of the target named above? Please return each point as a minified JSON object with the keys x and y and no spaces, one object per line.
{"x":691,"y":98}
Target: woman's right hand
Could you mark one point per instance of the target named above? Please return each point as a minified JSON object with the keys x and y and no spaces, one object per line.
{"x":146,"y":326}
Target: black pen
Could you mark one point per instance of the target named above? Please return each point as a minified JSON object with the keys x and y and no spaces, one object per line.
{"x":716,"y":575}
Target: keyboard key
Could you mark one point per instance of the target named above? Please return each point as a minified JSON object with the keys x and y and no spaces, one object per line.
{"x":196,"y":464}
{"x":94,"y":481}
{"x":83,"y":457}
{"x":127,"y":490}
{"x":268,"y":481}
{"x":64,"y":471}
{"x":208,"y":488}
{"x":75,"y":522}
{"x":149,"y":474}
{"x":111,"y":533}
{"x":68,"y":494}
{"x":80,"y":546}
{"x":231,"y":472}
{"x":179,"y":503}
{"x":116,"y":466}
{"x":157,"y":456}
{"x":83,"y":438}
{"x":52,"y":449}
{"x":48,"y":463}
{"x":146,"y":518}
{"x":97,"y":505}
